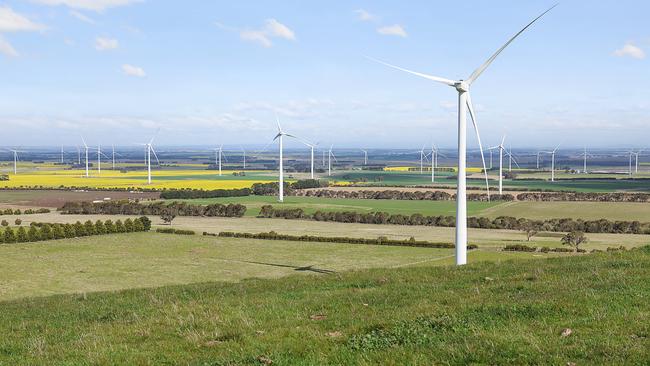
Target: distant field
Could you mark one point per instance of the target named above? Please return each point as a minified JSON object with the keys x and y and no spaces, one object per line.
{"x":534,"y":210}
{"x":198,"y":179}
{"x":312,"y":204}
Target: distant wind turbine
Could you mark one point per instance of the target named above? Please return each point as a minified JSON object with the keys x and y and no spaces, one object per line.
{"x":15,"y":153}
{"x":365,"y":157}
{"x":279,"y":137}
{"x":330,"y":156}
{"x":217,"y":157}
{"x":552,"y":153}
{"x":501,"y":149}
{"x":465,"y":104}
{"x":423,"y":156}
{"x":149,"y":149}
{"x":86,"y":151}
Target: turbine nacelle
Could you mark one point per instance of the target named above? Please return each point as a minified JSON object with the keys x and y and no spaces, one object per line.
{"x":461,"y":86}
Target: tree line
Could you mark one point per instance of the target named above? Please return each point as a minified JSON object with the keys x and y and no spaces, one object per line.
{"x":382,"y":240}
{"x":125,"y":207}
{"x":399,"y":195}
{"x":501,"y":222}
{"x":29,"y":211}
{"x":46,"y":231}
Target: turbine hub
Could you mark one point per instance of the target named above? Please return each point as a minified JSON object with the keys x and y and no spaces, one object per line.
{"x":461,"y":86}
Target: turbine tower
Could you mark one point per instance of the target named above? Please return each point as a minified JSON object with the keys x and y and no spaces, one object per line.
{"x":99,"y":159}
{"x":217,"y":157}
{"x":149,"y":149}
{"x":465,"y":104}
{"x":423,"y":156}
{"x":61,"y":154}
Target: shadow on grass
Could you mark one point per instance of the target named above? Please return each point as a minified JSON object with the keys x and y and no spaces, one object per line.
{"x":300,"y":269}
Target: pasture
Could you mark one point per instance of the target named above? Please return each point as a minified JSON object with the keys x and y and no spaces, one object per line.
{"x":514,"y":312}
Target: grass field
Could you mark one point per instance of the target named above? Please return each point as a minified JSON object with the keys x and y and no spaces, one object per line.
{"x":122,"y":261}
{"x":512,"y":312}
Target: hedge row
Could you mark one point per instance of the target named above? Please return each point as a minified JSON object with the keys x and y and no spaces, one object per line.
{"x":202,"y":193}
{"x":502,"y":222}
{"x":29,"y":211}
{"x":399,"y":195}
{"x":125,"y":207}
{"x":45,"y":231}
{"x":526,"y":248}
{"x":175,"y":231}
{"x":585,"y":196}
{"x":272,"y":235}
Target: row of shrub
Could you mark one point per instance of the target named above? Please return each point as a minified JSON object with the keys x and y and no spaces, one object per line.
{"x":585,"y":196}
{"x":530,"y":249}
{"x":382,"y":240}
{"x":81,"y":188}
{"x":46,"y":231}
{"x":502,"y":222}
{"x":400,"y":195}
{"x":203,"y":193}
{"x":175,"y":231}
{"x":29,"y":211}
{"x":125,"y":207}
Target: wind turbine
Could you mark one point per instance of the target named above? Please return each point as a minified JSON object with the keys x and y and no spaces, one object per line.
{"x":434,"y":162}
{"x":86,"y":151}
{"x":365,"y":157}
{"x":244,"y":155}
{"x":465,"y":104}
{"x":61,"y":154}
{"x":552,"y":161}
{"x":217,"y":157}
{"x":113,"y":156}
{"x":78,"y":156}
{"x":585,"y":161}
{"x":279,"y":137}
{"x":311,"y":147}
{"x":149,"y":149}
{"x":538,"y":159}
{"x":636,"y":161}
{"x":501,"y":148}
{"x":423,"y":156}
{"x":330,"y":155}
{"x":15,"y":153}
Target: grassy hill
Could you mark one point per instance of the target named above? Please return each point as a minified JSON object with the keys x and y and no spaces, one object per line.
{"x":512,"y":312}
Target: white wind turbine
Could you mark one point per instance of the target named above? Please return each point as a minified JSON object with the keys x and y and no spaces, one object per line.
{"x":365,"y":157}
{"x":78,"y":156}
{"x":434,"y":162}
{"x":423,"y":156}
{"x":149,"y":149}
{"x":330,"y":156}
{"x":218,"y":153}
{"x":636,"y":161}
{"x":552,"y":161}
{"x":311,"y":147}
{"x":61,"y":154}
{"x":86,"y":151}
{"x":15,"y":153}
{"x":465,"y":104}
{"x":501,"y":149}
{"x":279,"y":137}
{"x":244,"y":156}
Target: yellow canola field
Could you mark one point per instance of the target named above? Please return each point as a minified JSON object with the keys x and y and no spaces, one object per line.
{"x":112,"y":179}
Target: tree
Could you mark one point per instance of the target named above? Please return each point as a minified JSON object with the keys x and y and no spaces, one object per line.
{"x":128,"y":225}
{"x":110,"y":228}
{"x":90,"y":228}
{"x":46,"y":232}
{"x":5,"y":223}
{"x":32,"y":234}
{"x":18,"y":222}
{"x":138,"y":225}
{"x":100,"y":229}
{"x":9,"y":235}
{"x":574,"y":239}
{"x":21,"y":235}
{"x":530,"y":229}
{"x":168,"y":216}
{"x":79,"y":229}
{"x":146,"y":223}
{"x":119,"y":226}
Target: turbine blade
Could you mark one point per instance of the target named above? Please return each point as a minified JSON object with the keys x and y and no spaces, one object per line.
{"x":84,"y":141}
{"x":503,"y":140}
{"x":470,"y":107}
{"x":426,"y":76}
{"x":154,"y":154}
{"x":487,"y":63}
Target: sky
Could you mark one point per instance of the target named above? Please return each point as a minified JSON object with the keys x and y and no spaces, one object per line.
{"x":219,"y":72}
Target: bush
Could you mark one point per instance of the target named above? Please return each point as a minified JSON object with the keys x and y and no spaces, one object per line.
{"x":200,"y":193}
{"x":519,"y":248}
{"x":18,"y":222}
{"x":156,"y":209}
{"x":146,"y":223}
{"x":175,"y":231}
{"x":5,"y":223}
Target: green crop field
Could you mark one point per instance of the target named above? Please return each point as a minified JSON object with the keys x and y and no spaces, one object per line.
{"x":535,"y":210}
{"x":312,"y":204}
{"x":579,"y":310}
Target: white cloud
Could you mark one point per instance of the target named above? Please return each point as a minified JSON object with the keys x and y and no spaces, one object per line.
{"x":95,"y":5}
{"x":7,"y":49}
{"x":133,"y":71}
{"x":630,"y":50}
{"x":82,"y":17}
{"x":271,"y":29}
{"x":392,"y":30}
{"x":103,"y":44}
{"x":448,"y":105}
{"x":11,"y":21}
{"x":365,"y":16}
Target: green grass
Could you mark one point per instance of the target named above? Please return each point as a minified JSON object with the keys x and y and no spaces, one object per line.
{"x":628,"y":211}
{"x":511,"y":312}
{"x":122,"y":261}
{"x":312,"y":204}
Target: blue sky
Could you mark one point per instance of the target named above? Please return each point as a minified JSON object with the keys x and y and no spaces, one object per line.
{"x":212,"y":72}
